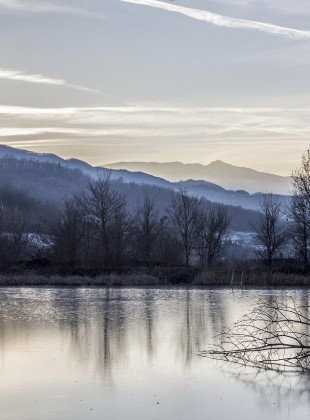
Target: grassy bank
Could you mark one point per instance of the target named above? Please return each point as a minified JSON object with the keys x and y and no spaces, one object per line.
{"x":78,"y":281}
{"x":251,"y":279}
{"x":216,"y":278}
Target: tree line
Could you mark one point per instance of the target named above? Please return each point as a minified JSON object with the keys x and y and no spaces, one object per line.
{"x":95,"y":228}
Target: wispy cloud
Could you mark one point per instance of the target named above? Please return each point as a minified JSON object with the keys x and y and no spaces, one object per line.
{"x":41,"y":6}
{"x":225,"y":21}
{"x":17,"y":75}
{"x":139,"y":132}
{"x":147,"y":122}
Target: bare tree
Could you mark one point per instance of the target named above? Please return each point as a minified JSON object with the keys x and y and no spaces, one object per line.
{"x":274,"y":335}
{"x":18,"y":237}
{"x":271,"y":233}
{"x":119,"y":230}
{"x":184,"y":214}
{"x":211,"y":234}
{"x":67,"y":234}
{"x":2,"y":237}
{"x":301,"y":177}
{"x":299,"y":209}
{"x":146,"y":227}
{"x":298,"y":213}
{"x":1,"y":216}
{"x":99,"y":204}
{"x":169,"y":249}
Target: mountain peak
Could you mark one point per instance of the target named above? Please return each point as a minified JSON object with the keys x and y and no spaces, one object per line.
{"x":219,"y":163}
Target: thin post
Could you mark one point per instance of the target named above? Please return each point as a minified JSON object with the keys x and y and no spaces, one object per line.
{"x":232,"y":278}
{"x":241,"y":279}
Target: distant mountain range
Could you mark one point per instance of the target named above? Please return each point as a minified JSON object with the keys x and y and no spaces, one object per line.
{"x":38,"y":187}
{"x":202,"y":188}
{"x":227,"y":176}
{"x":127,"y":176}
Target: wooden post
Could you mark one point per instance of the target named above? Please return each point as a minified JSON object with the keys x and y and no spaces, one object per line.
{"x":232,"y":278}
{"x":241,"y":279}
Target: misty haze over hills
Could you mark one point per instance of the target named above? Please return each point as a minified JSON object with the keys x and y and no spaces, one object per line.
{"x":205,"y":189}
{"x":20,"y":189}
{"x":227,"y":176}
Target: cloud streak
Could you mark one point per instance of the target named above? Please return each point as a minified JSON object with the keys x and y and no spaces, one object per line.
{"x":17,"y":75}
{"x":224,"y":21}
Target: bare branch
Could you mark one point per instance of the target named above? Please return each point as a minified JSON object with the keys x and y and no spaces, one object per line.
{"x":273,"y":336}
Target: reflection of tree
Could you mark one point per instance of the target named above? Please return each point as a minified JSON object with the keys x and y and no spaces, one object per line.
{"x":11,"y":332}
{"x":149,"y":322}
{"x":98,"y":340}
{"x":274,"y":388}
{"x":217,"y":311}
{"x":186,"y":338}
{"x":274,"y":335}
{"x":203,"y":314}
{"x":100,"y":328}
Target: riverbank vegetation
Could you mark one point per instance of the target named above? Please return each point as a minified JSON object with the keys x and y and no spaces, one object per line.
{"x":96,"y":236}
{"x":158,"y":278}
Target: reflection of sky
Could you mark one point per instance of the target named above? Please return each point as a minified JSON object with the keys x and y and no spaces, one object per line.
{"x":64,"y":352}
{"x":120,"y":54}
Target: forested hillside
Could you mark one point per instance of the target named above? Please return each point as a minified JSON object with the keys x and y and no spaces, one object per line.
{"x":239,"y":196}
{"x":34,"y":185}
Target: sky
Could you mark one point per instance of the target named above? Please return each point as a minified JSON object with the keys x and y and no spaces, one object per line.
{"x":148,"y":80}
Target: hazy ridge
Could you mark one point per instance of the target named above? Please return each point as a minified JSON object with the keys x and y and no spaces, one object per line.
{"x":47,"y":179}
{"x":209,"y":190}
{"x":227,"y":176}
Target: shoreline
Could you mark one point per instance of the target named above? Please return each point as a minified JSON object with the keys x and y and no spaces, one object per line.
{"x":251,"y":279}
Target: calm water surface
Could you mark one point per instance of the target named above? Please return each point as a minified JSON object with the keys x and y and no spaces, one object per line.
{"x":131,"y":355}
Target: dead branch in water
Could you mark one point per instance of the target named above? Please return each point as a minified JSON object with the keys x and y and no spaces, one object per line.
{"x":275,"y":335}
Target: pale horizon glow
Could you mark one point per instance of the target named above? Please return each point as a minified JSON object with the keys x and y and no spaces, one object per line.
{"x":116,"y":130}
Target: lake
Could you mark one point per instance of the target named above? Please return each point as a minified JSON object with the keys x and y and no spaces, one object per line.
{"x":122,"y":354}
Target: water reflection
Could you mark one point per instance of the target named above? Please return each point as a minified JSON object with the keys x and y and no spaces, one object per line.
{"x":101,"y":327}
{"x":130,"y":341}
{"x":286,"y":389}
